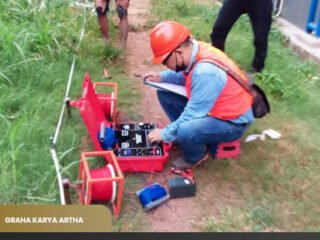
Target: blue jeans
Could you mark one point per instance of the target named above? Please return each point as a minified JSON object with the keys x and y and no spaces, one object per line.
{"x":193,"y":136}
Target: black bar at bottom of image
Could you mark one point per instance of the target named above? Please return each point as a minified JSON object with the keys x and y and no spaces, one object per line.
{"x":160,"y":236}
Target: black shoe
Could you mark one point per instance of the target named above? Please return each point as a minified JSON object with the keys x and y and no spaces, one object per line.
{"x":255,"y":70}
{"x":180,"y":163}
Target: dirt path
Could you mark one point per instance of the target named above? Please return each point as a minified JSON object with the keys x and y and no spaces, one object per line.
{"x":139,"y":60}
{"x":175,"y":215}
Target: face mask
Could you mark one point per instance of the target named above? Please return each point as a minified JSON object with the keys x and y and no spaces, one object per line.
{"x":180,"y":68}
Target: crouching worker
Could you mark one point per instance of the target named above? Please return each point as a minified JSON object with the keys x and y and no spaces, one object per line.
{"x":217,"y":109}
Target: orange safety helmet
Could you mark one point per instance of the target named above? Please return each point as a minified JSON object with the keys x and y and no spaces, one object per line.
{"x":166,"y":37}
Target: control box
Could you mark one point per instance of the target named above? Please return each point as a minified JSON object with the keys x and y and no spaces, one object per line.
{"x":133,"y":150}
{"x":132,"y":140}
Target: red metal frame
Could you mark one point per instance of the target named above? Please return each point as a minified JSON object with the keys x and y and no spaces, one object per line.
{"x":95,"y":109}
{"x":91,"y":108}
{"x":106,"y":99}
{"x":87,"y":180}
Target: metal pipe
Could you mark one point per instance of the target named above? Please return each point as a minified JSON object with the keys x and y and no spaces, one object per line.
{"x":55,"y":138}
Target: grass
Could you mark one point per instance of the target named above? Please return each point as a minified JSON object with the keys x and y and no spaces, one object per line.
{"x":275,"y":184}
{"x":37,"y":47}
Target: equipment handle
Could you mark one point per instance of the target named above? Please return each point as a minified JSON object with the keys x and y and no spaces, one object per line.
{"x":67,"y":101}
{"x":66,"y":186}
{"x":102,"y":132}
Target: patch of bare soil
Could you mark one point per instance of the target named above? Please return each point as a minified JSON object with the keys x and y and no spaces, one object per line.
{"x":176,"y":215}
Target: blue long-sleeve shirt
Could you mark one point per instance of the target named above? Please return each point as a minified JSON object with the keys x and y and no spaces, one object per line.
{"x":207,"y":83}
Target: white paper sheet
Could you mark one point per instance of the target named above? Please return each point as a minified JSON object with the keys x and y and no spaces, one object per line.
{"x":268,"y":132}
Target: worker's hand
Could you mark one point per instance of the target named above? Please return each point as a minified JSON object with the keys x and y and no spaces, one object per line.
{"x":152,"y":76}
{"x":155,"y":135}
{"x":123,"y":3}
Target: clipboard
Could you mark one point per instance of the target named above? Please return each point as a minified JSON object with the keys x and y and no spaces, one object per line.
{"x":169,"y":87}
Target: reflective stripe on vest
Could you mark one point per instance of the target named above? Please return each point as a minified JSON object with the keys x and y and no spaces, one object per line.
{"x":233,"y":100}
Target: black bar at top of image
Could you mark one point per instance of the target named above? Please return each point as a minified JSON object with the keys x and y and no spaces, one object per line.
{"x":160,"y":236}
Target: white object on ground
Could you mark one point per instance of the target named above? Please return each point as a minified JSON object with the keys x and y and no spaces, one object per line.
{"x":268,"y":132}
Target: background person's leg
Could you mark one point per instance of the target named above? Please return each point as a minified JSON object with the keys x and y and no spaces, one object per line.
{"x":103,"y":25}
{"x":122,"y":11}
{"x":102,"y":7}
{"x":260,"y":14}
{"x":124,"y":26}
{"x":194,"y":135}
{"x":229,"y":13}
{"x":172,"y":104}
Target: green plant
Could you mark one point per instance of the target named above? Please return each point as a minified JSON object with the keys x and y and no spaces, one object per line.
{"x":37,"y":46}
{"x":273,"y":186}
{"x":276,"y":86}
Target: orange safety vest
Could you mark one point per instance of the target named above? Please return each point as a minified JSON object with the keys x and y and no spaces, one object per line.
{"x":234,"y":100}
